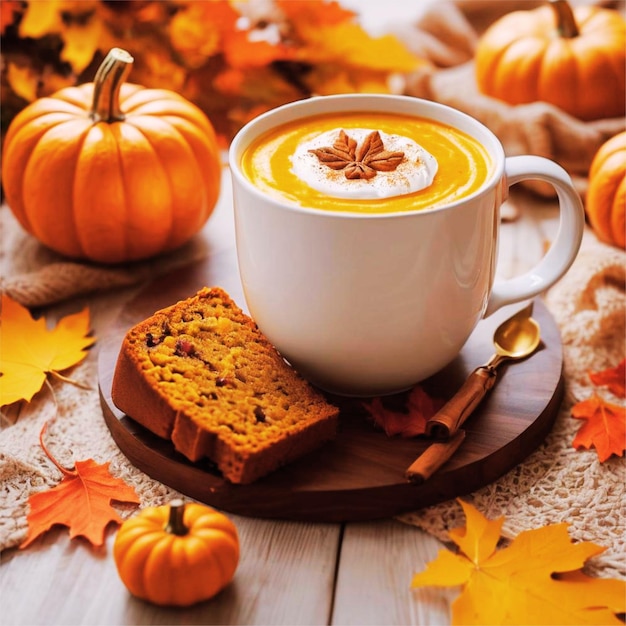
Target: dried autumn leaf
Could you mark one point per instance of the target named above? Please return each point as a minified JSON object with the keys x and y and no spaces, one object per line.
{"x":232,"y":59}
{"x":423,"y":404}
{"x":78,"y":23}
{"x":8,"y":10}
{"x":243,"y":53}
{"x":331,"y":78}
{"x":41,"y":18}
{"x":198,"y":30}
{"x":350,"y":44}
{"x":605,"y":427}
{"x":81,"y":44}
{"x":29,"y":351}
{"x":613,"y":378}
{"x":81,"y":501}
{"x":23,"y":80}
{"x":420,"y":407}
{"x":327,"y":32}
{"x":535,"y":580}
{"x":318,"y":14}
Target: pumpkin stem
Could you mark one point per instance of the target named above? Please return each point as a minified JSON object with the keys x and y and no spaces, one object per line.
{"x":107,"y":84}
{"x":175,"y":524}
{"x":565,"y":21}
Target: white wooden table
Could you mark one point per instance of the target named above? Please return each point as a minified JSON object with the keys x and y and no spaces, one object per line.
{"x":290,"y":572}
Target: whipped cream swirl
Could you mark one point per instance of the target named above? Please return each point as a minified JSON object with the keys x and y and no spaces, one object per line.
{"x":416,"y":171}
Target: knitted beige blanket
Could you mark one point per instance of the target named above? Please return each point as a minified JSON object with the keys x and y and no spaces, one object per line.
{"x":555,"y":484}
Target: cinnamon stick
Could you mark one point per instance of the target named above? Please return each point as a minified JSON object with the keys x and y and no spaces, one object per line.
{"x":433,"y":458}
{"x":446,"y":422}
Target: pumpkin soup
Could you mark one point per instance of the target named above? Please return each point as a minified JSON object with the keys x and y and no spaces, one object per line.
{"x":367,"y":163}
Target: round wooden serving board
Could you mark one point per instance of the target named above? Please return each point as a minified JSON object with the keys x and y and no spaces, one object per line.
{"x":360,"y":475}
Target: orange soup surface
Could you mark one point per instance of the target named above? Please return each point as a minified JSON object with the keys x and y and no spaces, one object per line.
{"x":462,"y":164}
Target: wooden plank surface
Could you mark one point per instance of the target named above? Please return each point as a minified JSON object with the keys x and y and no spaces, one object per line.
{"x":285,"y":576}
{"x":376,"y":565}
{"x":287,"y":570}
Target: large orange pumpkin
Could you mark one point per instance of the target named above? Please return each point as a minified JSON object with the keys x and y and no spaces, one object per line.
{"x":606,"y":197}
{"x":111,"y":172}
{"x":176,"y":554}
{"x":575,"y":60}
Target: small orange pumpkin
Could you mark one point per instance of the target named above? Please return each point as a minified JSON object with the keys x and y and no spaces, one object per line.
{"x":177,"y":554}
{"x":111,"y":172}
{"x":575,"y":60}
{"x":606,"y":196}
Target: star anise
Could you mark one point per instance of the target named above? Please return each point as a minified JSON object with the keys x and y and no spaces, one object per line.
{"x":362,"y":161}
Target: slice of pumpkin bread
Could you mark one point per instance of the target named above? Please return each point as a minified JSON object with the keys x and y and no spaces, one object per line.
{"x":202,"y":374}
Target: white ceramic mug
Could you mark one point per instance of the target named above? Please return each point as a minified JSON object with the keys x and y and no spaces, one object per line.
{"x":371,"y":304}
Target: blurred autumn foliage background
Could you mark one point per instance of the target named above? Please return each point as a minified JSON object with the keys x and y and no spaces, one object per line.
{"x":234,"y":59}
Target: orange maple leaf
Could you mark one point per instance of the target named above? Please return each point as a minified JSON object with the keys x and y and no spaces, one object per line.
{"x":613,"y":378}
{"x":8,"y":10}
{"x":420,"y":407}
{"x":81,"y":501}
{"x":317,"y":14}
{"x":605,"y":427}
{"x":198,"y":30}
{"x":29,"y":351}
{"x":243,"y":53}
{"x":326,"y":32}
{"x":535,"y":580}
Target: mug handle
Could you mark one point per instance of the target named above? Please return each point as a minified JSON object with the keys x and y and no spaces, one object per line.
{"x":565,"y":247}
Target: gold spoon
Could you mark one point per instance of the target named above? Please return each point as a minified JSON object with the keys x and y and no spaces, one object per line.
{"x":516,"y":338}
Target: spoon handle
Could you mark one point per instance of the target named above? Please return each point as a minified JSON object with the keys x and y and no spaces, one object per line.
{"x":446,"y":422}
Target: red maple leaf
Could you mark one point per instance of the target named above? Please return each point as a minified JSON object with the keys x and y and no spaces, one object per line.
{"x":8,"y":11}
{"x":80,"y":501}
{"x":420,"y":407}
{"x":613,"y":378}
{"x":605,"y":427}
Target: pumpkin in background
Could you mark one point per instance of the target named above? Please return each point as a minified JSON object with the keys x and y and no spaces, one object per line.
{"x":111,"y":172}
{"x":178,"y":554}
{"x":575,"y":60}
{"x":606,"y":197}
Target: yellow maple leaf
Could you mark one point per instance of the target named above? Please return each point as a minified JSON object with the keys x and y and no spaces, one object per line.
{"x":329,"y":78}
{"x":349,"y":44}
{"x":41,"y":18}
{"x":23,"y":80}
{"x":78,"y":23}
{"x":29,"y":351}
{"x":326,"y":32}
{"x":81,"y":43}
{"x":535,"y":580}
